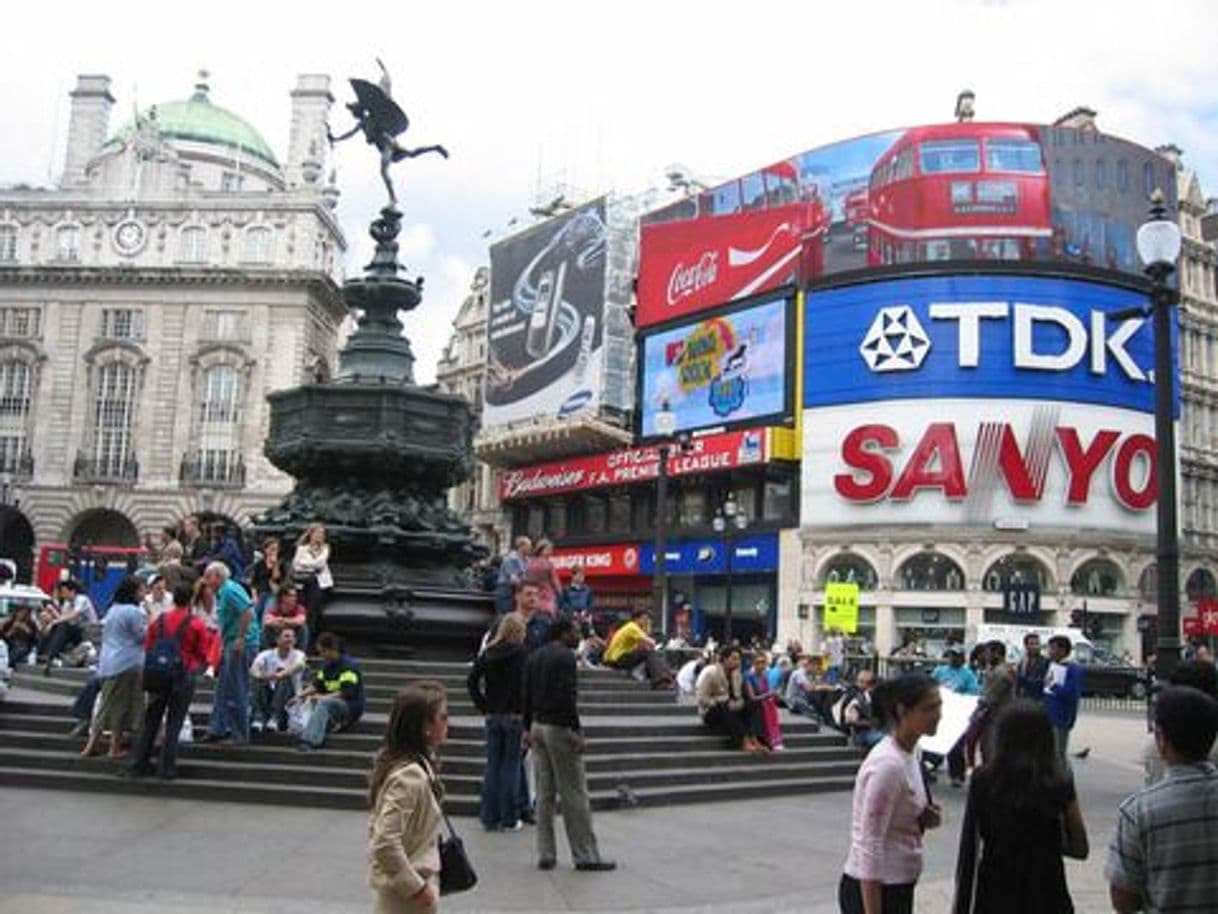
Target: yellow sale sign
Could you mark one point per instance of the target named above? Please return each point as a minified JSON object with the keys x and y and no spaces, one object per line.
{"x":842,"y":607}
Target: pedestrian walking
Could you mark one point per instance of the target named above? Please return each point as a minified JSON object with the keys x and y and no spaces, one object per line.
{"x":892,"y":804}
{"x":553,"y":732}
{"x":120,"y":667}
{"x":1063,"y":689}
{"x":495,"y":684}
{"x":405,"y":794}
{"x":1164,"y":854}
{"x":1021,"y":817}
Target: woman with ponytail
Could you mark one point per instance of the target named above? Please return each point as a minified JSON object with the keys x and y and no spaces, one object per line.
{"x":892,"y":804}
{"x":405,"y":795}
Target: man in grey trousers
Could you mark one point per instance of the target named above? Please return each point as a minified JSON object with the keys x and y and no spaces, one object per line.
{"x":552,"y":731}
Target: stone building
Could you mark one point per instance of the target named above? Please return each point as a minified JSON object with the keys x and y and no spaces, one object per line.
{"x":177,"y":273}
{"x":461,"y":370}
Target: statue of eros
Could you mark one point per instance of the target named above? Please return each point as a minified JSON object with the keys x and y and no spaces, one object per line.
{"x":382,"y":121}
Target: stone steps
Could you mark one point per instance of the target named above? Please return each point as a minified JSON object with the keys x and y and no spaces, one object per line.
{"x":641,"y":744}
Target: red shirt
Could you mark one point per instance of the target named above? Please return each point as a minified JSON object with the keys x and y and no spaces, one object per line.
{"x":194,"y":639}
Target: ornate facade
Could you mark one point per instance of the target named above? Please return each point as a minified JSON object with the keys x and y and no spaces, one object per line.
{"x":177,"y":274}
{"x":460,"y":371}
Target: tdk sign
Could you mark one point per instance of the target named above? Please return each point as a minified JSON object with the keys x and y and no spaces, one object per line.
{"x":978,"y":336}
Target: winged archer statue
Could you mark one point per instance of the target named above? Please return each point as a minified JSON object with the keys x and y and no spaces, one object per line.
{"x":382,"y":121}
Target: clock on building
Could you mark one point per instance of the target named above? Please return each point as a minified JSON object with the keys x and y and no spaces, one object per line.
{"x":129,"y":237}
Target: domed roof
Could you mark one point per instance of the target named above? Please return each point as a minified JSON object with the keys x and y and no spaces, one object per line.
{"x":198,"y":120}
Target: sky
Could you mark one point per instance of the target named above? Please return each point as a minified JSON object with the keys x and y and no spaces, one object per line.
{"x":532,"y":96}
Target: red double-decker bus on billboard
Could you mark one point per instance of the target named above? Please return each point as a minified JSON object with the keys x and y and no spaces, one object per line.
{"x":753,"y":233}
{"x":960,"y":192}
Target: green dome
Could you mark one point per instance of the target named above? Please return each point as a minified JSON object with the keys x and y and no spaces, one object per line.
{"x":197,"y":119}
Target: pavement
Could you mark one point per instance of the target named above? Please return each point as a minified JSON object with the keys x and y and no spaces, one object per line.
{"x":99,"y":854}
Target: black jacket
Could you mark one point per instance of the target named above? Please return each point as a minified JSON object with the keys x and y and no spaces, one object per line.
{"x":550,"y":687}
{"x":496,"y":681}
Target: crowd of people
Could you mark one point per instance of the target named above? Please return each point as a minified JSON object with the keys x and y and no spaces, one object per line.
{"x":199,"y":611}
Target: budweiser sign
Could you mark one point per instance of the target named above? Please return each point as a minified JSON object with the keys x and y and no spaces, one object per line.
{"x":713,"y":453}
{"x":688,"y":279}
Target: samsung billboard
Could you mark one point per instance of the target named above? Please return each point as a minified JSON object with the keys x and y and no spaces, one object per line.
{"x":721,"y":370}
{"x":960,"y":192}
{"x":981,"y":399}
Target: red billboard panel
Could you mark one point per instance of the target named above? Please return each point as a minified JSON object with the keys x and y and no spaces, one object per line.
{"x":1193,"y":627}
{"x":686,"y":267}
{"x":599,"y":561}
{"x":1207,"y":613}
{"x":712,"y":453}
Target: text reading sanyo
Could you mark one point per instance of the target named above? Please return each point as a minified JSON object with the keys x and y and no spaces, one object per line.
{"x":1103,"y":341}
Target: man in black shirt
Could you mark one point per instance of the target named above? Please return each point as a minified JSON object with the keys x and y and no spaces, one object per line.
{"x":552,"y":731}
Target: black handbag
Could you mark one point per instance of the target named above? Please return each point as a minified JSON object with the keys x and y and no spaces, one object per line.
{"x":456,"y":872}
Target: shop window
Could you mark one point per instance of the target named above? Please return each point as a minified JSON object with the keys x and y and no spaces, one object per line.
{"x":776,"y":500}
{"x":850,"y":569}
{"x":596,"y":515}
{"x":619,"y":513}
{"x":930,"y":571}
{"x":745,"y":497}
{"x":692,"y":510}
{"x":556,"y":519}
{"x":1015,"y":569}
{"x":537,"y":522}
{"x":1096,"y":578}
{"x":642,"y":511}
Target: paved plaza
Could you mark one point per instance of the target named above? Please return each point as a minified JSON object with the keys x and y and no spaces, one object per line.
{"x":99,"y":854}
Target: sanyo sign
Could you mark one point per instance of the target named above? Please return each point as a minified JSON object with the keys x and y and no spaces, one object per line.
{"x":978,"y":336}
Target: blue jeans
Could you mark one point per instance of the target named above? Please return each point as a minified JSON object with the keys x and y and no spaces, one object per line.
{"x":501,"y":782}
{"x":865,"y":739}
{"x":329,"y":713}
{"x":230,"y":711}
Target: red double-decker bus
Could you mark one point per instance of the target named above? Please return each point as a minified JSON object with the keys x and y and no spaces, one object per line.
{"x":959,"y":192}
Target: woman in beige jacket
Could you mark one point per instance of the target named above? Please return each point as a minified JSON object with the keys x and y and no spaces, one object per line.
{"x":405,"y":794}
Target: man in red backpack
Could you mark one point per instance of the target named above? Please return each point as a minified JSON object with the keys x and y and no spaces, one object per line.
{"x":177,"y":630}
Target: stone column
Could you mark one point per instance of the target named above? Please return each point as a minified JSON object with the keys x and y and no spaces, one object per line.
{"x":87,"y":126}
{"x":306,"y":158}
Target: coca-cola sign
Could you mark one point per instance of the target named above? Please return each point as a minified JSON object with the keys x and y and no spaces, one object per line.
{"x":688,"y":279}
{"x":713,"y":453}
{"x":689,"y":266}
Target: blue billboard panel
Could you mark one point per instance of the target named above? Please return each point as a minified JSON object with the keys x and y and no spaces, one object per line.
{"x":723,"y":369}
{"x":758,"y":552}
{"x":988,"y":337}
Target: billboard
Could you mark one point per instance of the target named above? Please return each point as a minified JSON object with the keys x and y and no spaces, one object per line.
{"x":952,"y":192}
{"x":706,"y":454}
{"x":546,"y":327}
{"x":978,"y":400}
{"x":722,"y":369}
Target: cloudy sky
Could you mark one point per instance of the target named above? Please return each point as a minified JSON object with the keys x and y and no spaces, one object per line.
{"x":529,"y":95}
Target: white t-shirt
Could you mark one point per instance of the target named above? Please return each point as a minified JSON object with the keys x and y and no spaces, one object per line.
{"x":267,"y":663}
{"x":687,"y":676}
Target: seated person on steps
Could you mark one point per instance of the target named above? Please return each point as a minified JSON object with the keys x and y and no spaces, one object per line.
{"x":277,"y":675}
{"x":286,"y":612}
{"x":338,"y":688}
{"x":632,"y":645}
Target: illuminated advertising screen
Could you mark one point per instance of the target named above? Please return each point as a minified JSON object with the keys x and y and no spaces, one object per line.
{"x":953,"y":192}
{"x":546,"y":326}
{"x":723,"y":369}
{"x":978,"y":400}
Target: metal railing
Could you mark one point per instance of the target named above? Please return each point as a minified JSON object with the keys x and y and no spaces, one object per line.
{"x":90,"y":469}
{"x":198,"y":469}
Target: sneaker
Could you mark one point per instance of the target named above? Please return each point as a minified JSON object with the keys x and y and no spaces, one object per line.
{"x":595,"y":866}
{"x":546,"y":864}
{"x":272,"y":726}
{"x":515,"y":826}
{"x":255,"y":726}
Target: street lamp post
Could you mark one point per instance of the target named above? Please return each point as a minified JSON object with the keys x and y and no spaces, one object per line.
{"x":1158,"y":248}
{"x":727,"y":521}
{"x":666,"y":424}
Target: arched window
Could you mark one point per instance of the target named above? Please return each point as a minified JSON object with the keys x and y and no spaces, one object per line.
{"x":1148,"y":179}
{"x":193,"y":244}
{"x":1015,"y":568}
{"x":1148,"y":583}
{"x":850,"y":569}
{"x":113,"y":419}
{"x":14,"y":413}
{"x":1201,"y":585}
{"x":1096,"y":578}
{"x":930,"y":571}
{"x":8,"y":243}
{"x":257,"y":245}
{"x":219,"y":430}
{"x":67,"y":243}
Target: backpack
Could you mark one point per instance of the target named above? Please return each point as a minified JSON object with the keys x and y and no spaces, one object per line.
{"x":164,"y":665}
